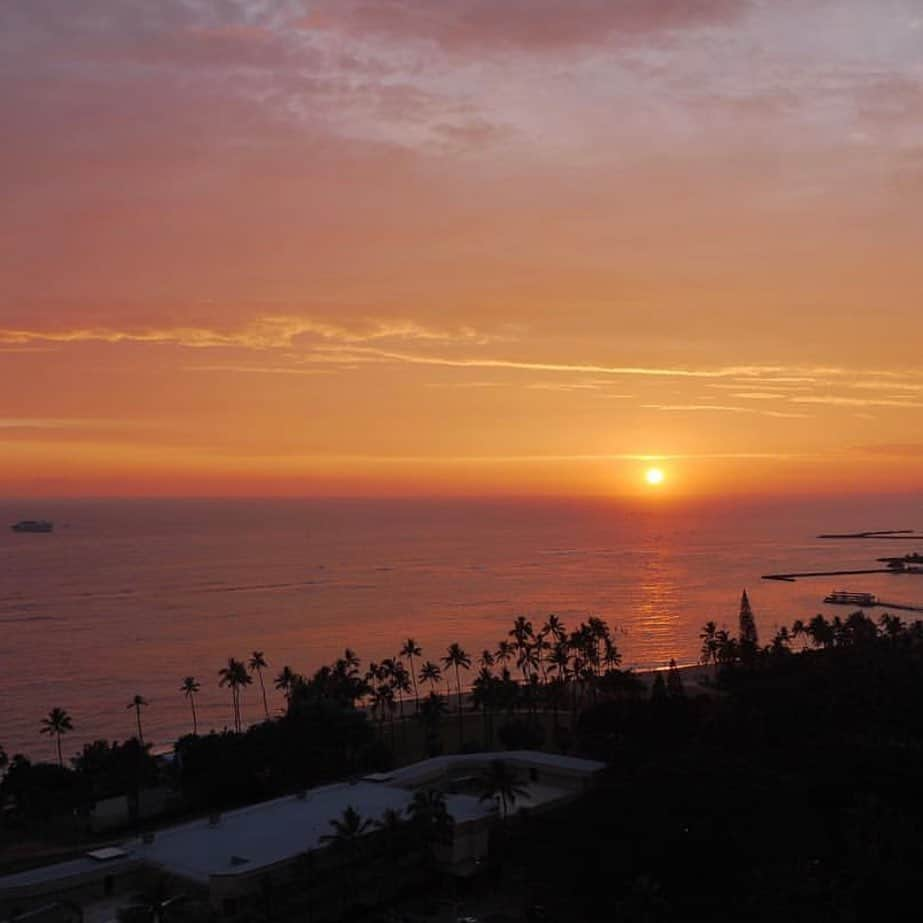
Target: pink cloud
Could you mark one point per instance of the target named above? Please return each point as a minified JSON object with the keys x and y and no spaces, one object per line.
{"x":526,"y":24}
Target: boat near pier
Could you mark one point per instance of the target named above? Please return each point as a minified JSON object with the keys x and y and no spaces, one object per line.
{"x":843,"y":598}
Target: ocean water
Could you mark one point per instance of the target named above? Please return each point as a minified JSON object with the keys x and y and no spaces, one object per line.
{"x":131,"y":596}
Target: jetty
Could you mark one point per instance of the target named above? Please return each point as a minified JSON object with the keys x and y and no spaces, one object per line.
{"x":865,"y":601}
{"x":791,"y":578}
{"x":880,"y":534}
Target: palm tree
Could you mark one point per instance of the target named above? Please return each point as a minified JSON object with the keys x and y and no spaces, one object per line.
{"x":256,"y":664}
{"x":486,"y":660}
{"x":505,"y":653}
{"x":189,"y":689}
{"x":432,"y":710}
{"x":410,"y":650}
{"x":58,"y":723}
{"x":4,"y":759}
{"x":528,"y":660}
{"x":555,"y":627}
{"x":400,"y":680}
{"x":347,"y":831}
{"x":560,"y":659}
{"x":431,"y":673}
{"x":234,"y":676}
{"x":709,"y":637}
{"x":799,"y":629}
{"x":137,"y":703}
{"x":456,"y":657}
{"x":286,"y":682}
{"x":351,"y":659}
{"x":433,"y":823}
{"x":523,"y":635}
{"x":611,"y":654}
{"x":499,"y":782}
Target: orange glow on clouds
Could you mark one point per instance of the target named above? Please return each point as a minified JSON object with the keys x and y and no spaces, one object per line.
{"x":482,"y":252}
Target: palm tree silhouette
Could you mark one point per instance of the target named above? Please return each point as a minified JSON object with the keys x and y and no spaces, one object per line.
{"x":431,"y":673}
{"x":347,"y":829}
{"x":137,"y":703}
{"x":432,"y":710}
{"x":434,"y":825}
{"x":347,"y":833}
{"x":286,"y":681}
{"x":523,"y":635}
{"x":189,"y":688}
{"x":410,"y":650}
{"x":499,"y":782}
{"x":57,"y":724}
{"x":709,"y":638}
{"x":401,"y":681}
{"x":257,"y":664}
{"x":555,"y":627}
{"x":505,"y":653}
{"x":456,"y":657}
{"x":234,"y":675}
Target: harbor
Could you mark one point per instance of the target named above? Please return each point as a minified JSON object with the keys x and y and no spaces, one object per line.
{"x":865,"y":601}
{"x":894,"y":564}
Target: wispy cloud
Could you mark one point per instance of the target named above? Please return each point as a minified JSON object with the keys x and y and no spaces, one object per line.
{"x":465,"y":384}
{"x":57,"y":423}
{"x":385,"y":355}
{"x":837,"y":401}
{"x":269,"y":332}
{"x":260,"y":369}
{"x":722,"y":408}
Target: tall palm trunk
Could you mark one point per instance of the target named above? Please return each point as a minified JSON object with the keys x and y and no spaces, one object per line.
{"x":259,"y":673}
{"x":138,"y":718}
{"x":60,"y":755}
{"x":195,"y":720}
{"x":461,"y":728}
{"x":416,"y":695}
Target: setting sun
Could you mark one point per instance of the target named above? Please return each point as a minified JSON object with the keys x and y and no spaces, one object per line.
{"x":653,"y":476}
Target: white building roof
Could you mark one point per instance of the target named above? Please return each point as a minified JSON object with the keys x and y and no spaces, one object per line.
{"x":265,"y":834}
{"x":275,"y":831}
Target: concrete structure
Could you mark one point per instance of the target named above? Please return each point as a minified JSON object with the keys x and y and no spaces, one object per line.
{"x":96,"y":876}
{"x":243,"y":855}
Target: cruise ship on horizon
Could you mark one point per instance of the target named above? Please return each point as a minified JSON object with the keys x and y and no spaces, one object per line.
{"x":33,"y":525}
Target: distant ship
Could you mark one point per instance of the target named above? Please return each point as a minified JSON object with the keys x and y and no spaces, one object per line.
{"x":33,"y":525}
{"x":903,"y":562}
{"x":842,"y":598}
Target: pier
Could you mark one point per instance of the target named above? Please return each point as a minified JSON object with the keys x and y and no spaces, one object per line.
{"x":876,"y":604}
{"x":880,"y":534}
{"x":791,"y":578}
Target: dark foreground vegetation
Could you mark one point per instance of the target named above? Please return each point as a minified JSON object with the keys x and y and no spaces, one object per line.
{"x":792,"y":794}
{"x":790,"y":791}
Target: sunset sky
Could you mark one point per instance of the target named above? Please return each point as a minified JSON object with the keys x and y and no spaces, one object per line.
{"x":460,"y":246}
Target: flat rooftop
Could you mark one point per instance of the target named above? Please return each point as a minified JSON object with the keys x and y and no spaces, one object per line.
{"x":272,"y":832}
{"x":62,"y":873}
{"x":264,"y":834}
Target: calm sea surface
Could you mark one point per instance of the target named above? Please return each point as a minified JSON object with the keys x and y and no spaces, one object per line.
{"x":131,"y":596}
